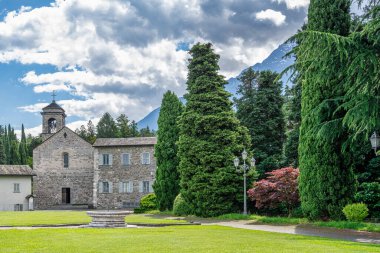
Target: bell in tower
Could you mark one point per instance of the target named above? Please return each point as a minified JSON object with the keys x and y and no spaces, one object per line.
{"x":53,"y":119}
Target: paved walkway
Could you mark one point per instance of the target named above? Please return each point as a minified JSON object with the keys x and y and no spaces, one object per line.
{"x":342,"y":234}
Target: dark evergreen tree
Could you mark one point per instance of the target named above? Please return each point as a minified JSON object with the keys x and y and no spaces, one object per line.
{"x":7,"y":146}
{"x":123,"y":126}
{"x":146,"y":132}
{"x":14,"y":154}
{"x":23,"y":147}
{"x":106,"y":127}
{"x":134,"y":129}
{"x":292,"y":111}
{"x":166,"y":186}
{"x":2,"y":151}
{"x":91,"y":137}
{"x":327,"y":181}
{"x":259,"y":108}
{"x":210,"y":138}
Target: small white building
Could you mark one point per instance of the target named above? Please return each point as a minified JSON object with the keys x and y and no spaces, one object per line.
{"x":16,"y":188}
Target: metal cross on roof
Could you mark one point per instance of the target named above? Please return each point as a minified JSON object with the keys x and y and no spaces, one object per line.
{"x":53,"y":95}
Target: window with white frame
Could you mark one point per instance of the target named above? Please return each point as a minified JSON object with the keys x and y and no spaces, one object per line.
{"x":126,"y":187}
{"x":129,"y":186}
{"x":105,"y":159}
{"x":16,"y":188}
{"x":126,"y":159}
{"x":145,"y":186}
{"x":105,"y":187}
{"x":145,"y":158}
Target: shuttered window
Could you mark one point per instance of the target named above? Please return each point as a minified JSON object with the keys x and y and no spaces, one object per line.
{"x":105,"y":159}
{"x":126,"y":159}
{"x":145,"y":158}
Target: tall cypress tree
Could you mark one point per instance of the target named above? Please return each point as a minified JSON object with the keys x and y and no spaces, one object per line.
{"x":326,"y":181}
{"x":210,"y":138}
{"x":23,"y":147}
{"x":259,"y":108}
{"x":7,"y":147}
{"x":166,"y":186}
{"x":14,"y":154}
{"x":2,"y":151}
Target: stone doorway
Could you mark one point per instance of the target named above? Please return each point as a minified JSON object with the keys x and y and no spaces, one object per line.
{"x":66,"y":196}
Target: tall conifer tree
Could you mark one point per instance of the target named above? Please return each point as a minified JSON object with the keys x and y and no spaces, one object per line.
{"x":2,"y":153}
{"x":166,"y":186}
{"x":326,"y":181}
{"x":260,"y":110}
{"x":210,"y":138}
{"x":23,"y":147}
{"x":106,"y":127}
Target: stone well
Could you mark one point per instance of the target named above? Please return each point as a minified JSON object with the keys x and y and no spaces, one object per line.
{"x":108,"y":219}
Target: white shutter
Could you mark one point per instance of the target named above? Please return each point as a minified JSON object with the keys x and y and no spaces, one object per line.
{"x":148,"y":158}
{"x":142,"y":158}
{"x":121,"y":187}
{"x":110,"y":187}
{"x":100,"y":159}
{"x":110,"y":156}
{"x":100,"y":187}
{"x":130,"y":186}
{"x":122,"y":159}
{"x":141,"y":185}
{"x":151,"y":186}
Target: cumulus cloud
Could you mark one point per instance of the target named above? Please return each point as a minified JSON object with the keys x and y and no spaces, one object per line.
{"x":274,"y":16}
{"x":294,"y":4}
{"x":121,"y":56}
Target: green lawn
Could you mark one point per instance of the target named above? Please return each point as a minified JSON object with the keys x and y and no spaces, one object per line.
{"x":71,"y":217}
{"x":362,"y":226}
{"x":169,"y":239}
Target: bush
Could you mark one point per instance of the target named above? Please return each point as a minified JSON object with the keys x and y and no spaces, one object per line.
{"x":355,"y":212}
{"x":147,"y":203}
{"x":369,"y":193}
{"x":279,"y":189}
{"x":180,"y":207}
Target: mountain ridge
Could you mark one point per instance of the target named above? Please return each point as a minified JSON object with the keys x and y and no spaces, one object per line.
{"x":276,"y":62}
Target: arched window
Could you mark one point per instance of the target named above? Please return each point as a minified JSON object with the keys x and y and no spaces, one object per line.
{"x":65,"y":160}
{"x":52,"y":126}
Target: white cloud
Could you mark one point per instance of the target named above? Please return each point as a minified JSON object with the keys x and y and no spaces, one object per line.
{"x":294,"y":4}
{"x":274,"y":16}
{"x":120,"y":56}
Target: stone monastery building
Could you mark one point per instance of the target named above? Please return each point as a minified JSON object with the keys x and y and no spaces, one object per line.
{"x":111,"y":173}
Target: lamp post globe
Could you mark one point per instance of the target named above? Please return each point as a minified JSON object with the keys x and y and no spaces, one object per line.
{"x":253,"y":162}
{"x":244,"y":155}
{"x":236,"y":162}
{"x":375,"y":141}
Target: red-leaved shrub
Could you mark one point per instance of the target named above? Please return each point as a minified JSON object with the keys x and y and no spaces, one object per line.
{"x":280,"y":187}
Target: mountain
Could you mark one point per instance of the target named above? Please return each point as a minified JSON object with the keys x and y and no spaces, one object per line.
{"x":275,"y":62}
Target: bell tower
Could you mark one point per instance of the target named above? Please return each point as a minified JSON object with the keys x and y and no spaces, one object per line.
{"x":53,"y":119}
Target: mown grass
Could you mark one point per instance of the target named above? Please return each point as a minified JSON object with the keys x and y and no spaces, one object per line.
{"x":362,"y":226}
{"x":37,"y":218}
{"x":169,"y":239}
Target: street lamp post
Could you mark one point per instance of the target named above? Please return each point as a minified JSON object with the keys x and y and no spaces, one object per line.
{"x":245,"y":168}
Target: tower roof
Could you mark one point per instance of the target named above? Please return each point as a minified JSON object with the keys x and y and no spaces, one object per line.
{"x":53,"y":105}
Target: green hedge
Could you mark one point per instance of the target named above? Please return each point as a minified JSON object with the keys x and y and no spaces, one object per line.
{"x":147,"y":203}
{"x":180,"y":207}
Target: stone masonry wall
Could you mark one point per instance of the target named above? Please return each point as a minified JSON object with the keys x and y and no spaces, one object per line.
{"x":117,"y":173}
{"x":52,"y":176}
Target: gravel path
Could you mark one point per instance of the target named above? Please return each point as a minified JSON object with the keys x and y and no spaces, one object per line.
{"x":342,"y":234}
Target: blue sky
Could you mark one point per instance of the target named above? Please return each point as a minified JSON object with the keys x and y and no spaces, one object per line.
{"x":121,"y":56}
